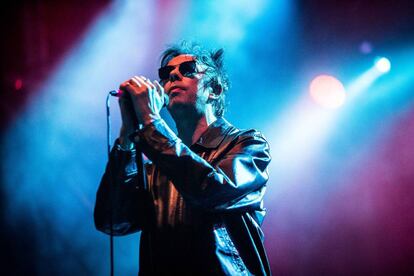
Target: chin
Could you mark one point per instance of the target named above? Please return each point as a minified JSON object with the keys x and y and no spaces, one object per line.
{"x":181,"y":107}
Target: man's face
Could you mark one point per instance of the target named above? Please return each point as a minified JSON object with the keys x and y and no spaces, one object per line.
{"x":185,"y":90}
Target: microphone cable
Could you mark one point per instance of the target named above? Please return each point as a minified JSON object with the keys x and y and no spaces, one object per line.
{"x":108,"y":139}
{"x":139,"y":163}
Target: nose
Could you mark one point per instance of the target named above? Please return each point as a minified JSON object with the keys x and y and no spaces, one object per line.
{"x":175,"y":75}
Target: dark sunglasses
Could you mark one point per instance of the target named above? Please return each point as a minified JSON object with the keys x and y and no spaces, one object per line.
{"x":187,"y":69}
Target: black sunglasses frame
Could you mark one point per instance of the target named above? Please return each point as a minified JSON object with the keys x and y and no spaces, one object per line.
{"x":186,"y":68}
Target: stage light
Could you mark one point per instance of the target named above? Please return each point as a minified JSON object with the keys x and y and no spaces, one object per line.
{"x":327,"y":91}
{"x":383,"y":64}
{"x":365,"y":47}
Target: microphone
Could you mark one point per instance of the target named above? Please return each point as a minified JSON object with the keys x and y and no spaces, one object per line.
{"x":118,"y":93}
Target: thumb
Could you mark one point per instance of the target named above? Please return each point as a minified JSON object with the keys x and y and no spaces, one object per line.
{"x":161,"y":92}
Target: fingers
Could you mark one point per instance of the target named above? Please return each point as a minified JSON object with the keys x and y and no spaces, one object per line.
{"x":124,"y":85}
{"x":143,"y":81}
{"x":158,"y":86}
{"x":139,"y":81}
{"x":133,"y":81}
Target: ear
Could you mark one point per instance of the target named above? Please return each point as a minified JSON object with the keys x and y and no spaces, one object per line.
{"x":217,"y":89}
{"x":212,"y":96}
{"x":214,"y":90}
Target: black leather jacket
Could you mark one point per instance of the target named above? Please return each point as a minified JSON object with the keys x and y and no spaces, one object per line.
{"x":203,"y":207}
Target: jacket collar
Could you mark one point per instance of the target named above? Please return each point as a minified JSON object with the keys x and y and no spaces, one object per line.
{"x":215,"y":134}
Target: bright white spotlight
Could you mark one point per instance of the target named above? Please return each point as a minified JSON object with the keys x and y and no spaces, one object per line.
{"x":327,"y":91}
{"x":383,"y":64}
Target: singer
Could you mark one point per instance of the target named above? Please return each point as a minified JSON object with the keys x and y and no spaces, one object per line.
{"x":201,"y":211}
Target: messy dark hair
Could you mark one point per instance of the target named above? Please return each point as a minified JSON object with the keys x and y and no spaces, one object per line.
{"x":217,"y":77}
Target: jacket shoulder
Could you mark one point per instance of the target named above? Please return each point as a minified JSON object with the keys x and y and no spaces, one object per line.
{"x":242,"y":134}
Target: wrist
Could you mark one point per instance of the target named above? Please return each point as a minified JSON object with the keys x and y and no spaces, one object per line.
{"x":149,"y":119}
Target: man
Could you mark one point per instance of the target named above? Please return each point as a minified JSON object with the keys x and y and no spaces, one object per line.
{"x":202,"y":209}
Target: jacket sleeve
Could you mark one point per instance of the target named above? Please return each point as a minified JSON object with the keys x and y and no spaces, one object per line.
{"x":234,"y":180}
{"x":119,"y":197}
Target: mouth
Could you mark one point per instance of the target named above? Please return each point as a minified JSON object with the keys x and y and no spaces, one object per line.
{"x":176,"y":89}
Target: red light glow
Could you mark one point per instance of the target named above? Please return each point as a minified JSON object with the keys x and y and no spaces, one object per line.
{"x":18,"y":84}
